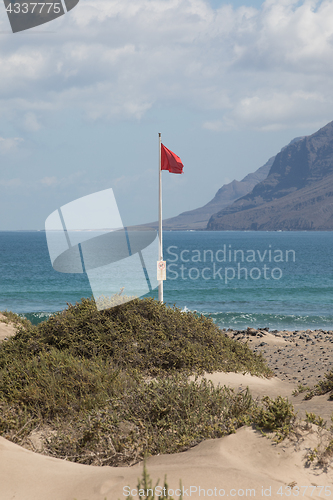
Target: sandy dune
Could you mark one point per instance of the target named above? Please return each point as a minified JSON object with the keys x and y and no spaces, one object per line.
{"x":236,"y":463}
{"x":259,"y":387}
{"x":244,"y":464}
{"x":6,"y":329}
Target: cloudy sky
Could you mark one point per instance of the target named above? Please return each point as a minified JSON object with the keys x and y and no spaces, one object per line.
{"x":82,"y":100}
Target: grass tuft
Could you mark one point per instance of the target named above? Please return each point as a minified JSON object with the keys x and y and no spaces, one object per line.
{"x":323,"y":387}
{"x":147,"y":491}
{"x":275,"y":415}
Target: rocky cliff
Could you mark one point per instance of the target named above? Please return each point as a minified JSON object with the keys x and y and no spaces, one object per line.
{"x":297,"y":193}
{"x":199,"y":217}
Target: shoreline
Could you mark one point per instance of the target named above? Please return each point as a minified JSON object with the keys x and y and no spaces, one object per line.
{"x":39,"y":316}
{"x":300,"y":357}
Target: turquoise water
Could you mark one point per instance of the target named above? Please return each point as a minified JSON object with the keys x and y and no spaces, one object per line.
{"x":275,"y":279}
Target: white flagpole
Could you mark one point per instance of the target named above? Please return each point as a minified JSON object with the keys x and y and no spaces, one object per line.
{"x":160,"y":285}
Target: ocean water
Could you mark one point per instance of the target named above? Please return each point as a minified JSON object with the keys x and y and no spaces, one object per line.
{"x":280,"y":280}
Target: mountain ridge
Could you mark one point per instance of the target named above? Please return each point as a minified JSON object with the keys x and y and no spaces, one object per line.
{"x":198,"y":218}
{"x":296,"y":194}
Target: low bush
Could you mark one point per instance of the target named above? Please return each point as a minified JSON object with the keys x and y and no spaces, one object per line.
{"x":144,"y":334}
{"x":166,"y":416}
{"x":323,"y":387}
{"x":161,"y":416}
{"x":83,"y":380}
{"x":275,"y":415}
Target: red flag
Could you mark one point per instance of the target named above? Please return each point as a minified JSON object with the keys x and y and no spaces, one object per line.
{"x":170,"y":161}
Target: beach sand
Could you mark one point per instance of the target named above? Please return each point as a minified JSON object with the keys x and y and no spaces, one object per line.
{"x":6,"y":329}
{"x":239,"y":462}
{"x":244,"y":464}
{"x":299,"y":357}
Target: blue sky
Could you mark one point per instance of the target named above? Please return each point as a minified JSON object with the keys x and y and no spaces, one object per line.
{"x":82,"y":100}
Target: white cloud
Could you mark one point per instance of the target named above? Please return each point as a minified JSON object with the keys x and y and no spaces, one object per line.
{"x":31,"y":122}
{"x":272,"y":110}
{"x":49,"y":181}
{"x":76,"y":179}
{"x":9,"y":144}
{"x":215,"y":125}
{"x":268,"y":68}
{"x":11,"y":183}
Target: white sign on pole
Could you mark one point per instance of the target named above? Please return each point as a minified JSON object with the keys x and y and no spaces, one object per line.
{"x":161,"y":270}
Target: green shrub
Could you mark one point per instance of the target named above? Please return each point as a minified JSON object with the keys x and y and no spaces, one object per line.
{"x":144,"y":334}
{"x":85,"y":376}
{"x":313,"y":419}
{"x":55,"y":383}
{"x":276,"y":415}
{"x":105,"y":302}
{"x":163,"y":416}
{"x":323,"y":387}
{"x":300,"y":389}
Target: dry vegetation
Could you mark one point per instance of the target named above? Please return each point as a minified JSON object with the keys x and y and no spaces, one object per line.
{"x":109,"y":387}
